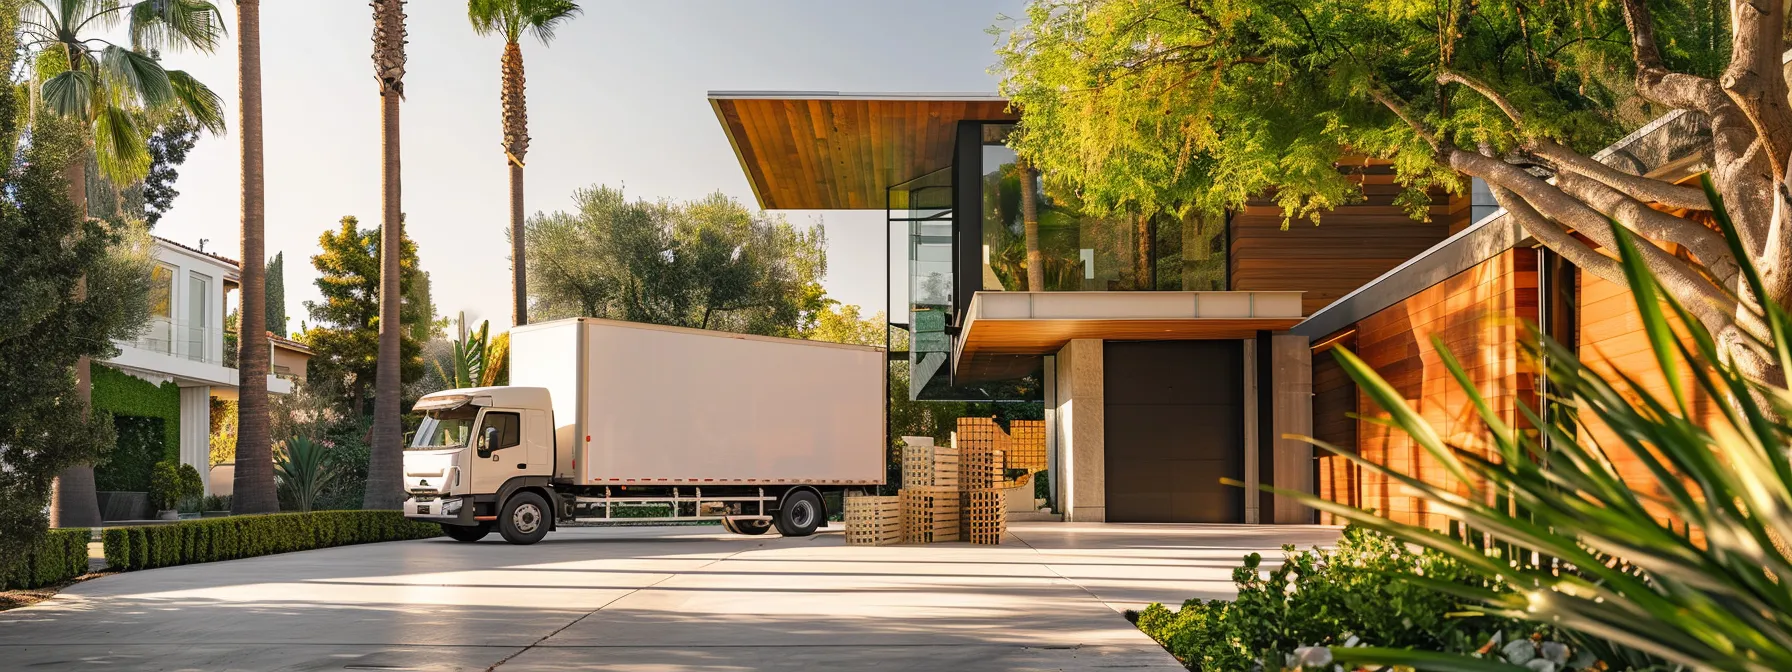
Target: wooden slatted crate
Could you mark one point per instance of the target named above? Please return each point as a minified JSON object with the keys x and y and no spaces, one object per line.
{"x":930,"y":515}
{"x":873,"y":521}
{"x":985,"y":517}
{"x":979,"y":442}
{"x":1026,"y":448}
{"x":926,"y":465}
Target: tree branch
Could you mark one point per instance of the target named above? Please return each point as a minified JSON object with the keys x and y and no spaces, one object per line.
{"x":1388,"y":101}
{"x":1755,"y":79}
{"x":1653,"y":79}
{"x":1557,"y":238}
{"x":1706,"y":244}
{"x":1640,"y":188}
{"x":1449,"y":77}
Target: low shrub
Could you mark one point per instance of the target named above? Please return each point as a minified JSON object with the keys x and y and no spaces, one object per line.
{"x":58,"y":556}
{"x":212,"y":539}
{"x":1355,"y":594}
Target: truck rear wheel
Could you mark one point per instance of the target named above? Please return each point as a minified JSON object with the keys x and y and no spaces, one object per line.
{"x":752,"y":527}
{"x":467,"y":533}
{"x":799,"y":515}
{"x":524,"y":520}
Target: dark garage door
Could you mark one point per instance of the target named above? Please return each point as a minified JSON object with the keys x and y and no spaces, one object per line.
{"x":1175,"y":426}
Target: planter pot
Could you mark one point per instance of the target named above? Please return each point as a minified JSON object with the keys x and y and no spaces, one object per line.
{"x":169,"y":514}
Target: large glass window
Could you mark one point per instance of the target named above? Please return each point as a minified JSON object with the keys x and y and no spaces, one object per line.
{"x":1080,"y":252}
{"x":198,"y":316}
{"x":924,"y":207}
{"x":159,"y":337}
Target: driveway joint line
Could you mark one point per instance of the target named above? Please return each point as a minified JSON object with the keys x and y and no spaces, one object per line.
{"x":618,"y":598}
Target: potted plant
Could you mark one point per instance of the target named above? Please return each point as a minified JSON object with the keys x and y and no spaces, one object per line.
{"x":170,"y":483}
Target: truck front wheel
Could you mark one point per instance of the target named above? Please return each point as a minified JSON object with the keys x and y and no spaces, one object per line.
{"x":524,"y":520}
{"x":799,"y":515}
{"x":467,"y":533}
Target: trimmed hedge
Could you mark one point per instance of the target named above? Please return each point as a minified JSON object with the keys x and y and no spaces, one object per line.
{"x":59,"y":556}
{"x":211,"y":539}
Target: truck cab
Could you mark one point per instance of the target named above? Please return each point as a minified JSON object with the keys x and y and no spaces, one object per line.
{"x":474,"y":446}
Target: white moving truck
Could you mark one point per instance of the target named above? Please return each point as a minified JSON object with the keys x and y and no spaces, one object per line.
{"x":604,"y":415}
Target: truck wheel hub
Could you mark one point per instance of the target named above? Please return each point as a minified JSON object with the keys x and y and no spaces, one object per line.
{"x":526,"y":518}
{"x":802,"y":514}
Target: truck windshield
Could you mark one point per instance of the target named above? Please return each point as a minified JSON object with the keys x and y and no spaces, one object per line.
{"x":445,"y":429}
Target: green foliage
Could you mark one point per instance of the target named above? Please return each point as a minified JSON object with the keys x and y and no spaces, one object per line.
{"x":1687,"y":562}
{"x":230,"y":538}
{"x":276,"y":295}
{"x":840,"y":323}
{"x":48,"y":250}
{"x":1163,"y":105}
{"x":223,"y":432}
{"x":304,"y":471}
{"x":312,"y":412}
{"x":478,"y":360}
{"x":344,"y":329}
{"x":707,"y":264}
{"x":55,"y":557}
{"x":123,"y":394}
{"x":131,"y":462}
{"x":1327,"y":597}
{"x":116,"y":92}
{"x":168,"y":148}
{"x":509,"y":18}
{"x":171,"y":483}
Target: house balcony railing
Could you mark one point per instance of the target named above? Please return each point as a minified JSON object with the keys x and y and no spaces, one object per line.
{"x":176,"y":338}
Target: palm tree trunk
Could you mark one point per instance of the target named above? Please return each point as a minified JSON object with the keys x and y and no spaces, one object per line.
{"x":1029,"y":217}
{"x":254,"y":485}
{"x":519,"y":276}
{"x":384,"y":487}
{"x":74,"y":501}
{"x":516,"y":144}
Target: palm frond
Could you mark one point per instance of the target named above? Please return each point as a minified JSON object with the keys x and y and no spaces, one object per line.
{"x":119,"y":145}
{"x":176,"y":25}
{"x":134,"y":80}
{"x":71,"y":94}
{"x":544,"y":16}
{"x":204,"y":106}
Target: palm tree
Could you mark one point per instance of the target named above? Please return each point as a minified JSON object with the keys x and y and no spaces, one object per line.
{"x":254,"y":486}
{"x":510,"y":18}
{"x":383,"y":466}
{"x":115,"y":92}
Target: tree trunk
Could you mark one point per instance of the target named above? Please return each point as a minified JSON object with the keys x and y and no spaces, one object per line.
{"x":515,"y":109}
{"x":254,"y":481}
{"x":74,"y":501}
{"x":383,"y":482}
{"x":1144,"y":266}
{"x":519,"y":277}
{"x":1029,"y":217}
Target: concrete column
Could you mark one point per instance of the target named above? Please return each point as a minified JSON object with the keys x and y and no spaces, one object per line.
{"x":1252,"y":511}
{"x":1082,"y":431}
{"x":196,"y":429}
{"x":1292,"y":395}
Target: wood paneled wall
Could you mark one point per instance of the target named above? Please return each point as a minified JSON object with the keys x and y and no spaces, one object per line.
{"x":1612,"y":340}
{"x":1334,"y":401}
{"x":1471,"y":312}
{"x":1349,"y":247}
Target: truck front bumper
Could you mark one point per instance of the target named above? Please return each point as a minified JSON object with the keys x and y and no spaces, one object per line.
{"x":446,"y":510}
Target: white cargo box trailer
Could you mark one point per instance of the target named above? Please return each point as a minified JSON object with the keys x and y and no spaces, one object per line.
{"x":604,"y":416}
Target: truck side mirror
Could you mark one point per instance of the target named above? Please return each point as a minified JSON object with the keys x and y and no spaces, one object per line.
{"x":486,"y":440}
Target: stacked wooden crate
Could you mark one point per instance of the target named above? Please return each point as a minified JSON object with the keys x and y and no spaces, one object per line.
{"x":981,"y":447}
{"x":930,"y":500}
{"x":873,"y":521}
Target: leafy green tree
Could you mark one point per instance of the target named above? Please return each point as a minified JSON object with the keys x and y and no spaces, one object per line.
{"x":344,"y":327}
{"x":276,"y":291}
{"x":707,"y":264}
{"x":168,"y":148}
{"x":477,"y":360}
{"x":510,"y":19}
{"x":1161,"y":105}
{"x":74,"y":285}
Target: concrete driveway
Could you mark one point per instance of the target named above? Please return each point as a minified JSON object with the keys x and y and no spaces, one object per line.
{"x":651,"y":598}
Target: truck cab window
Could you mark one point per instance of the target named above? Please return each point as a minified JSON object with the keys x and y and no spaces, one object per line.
{"x":510,"y":428}
{"x":446,"y":429}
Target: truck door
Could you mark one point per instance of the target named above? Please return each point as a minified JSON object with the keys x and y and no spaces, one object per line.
{"x":505,"y":457}
{"x":538,"y":433}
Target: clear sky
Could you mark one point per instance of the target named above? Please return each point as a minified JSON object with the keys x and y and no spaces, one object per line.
{"x":618,"y":98}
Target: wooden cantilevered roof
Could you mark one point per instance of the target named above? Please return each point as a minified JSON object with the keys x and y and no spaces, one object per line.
{"x":809,"y":150}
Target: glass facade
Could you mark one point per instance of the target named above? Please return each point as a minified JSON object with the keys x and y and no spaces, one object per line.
{"x":1082,"y":252}
{"x":923,"y":206}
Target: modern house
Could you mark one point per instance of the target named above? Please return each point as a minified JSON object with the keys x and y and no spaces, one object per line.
{"x":160,"y":386}
{"x":1164,"y":349}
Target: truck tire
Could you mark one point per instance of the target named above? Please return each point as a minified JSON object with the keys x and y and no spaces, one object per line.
{"x":524,"y":519}
{"x":752,"y":528}
{"x":467,"y":533}
{"x":799,"y":515}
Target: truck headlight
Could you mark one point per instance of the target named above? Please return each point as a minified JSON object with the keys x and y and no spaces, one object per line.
{"x":451,"y":506}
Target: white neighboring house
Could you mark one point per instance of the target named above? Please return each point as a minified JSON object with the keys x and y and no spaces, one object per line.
{"x":184,"y":342}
